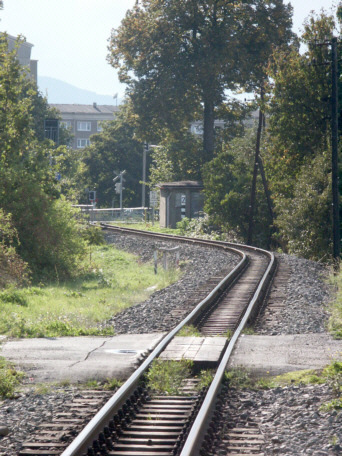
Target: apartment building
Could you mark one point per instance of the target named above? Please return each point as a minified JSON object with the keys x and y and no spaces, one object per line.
{"x":23,"y":55}
{"x":84,"y":120}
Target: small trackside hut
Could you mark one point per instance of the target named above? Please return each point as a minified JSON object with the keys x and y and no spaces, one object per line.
{"x":179,"y":200}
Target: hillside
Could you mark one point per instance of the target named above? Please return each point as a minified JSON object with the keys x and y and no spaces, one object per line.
{"x":58,"y":91}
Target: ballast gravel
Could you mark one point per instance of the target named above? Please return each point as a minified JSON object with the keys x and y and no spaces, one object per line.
{"x":306,"y":303}
{"x":289,"y":421}
{"x":200,"y":264}
{"x":20,"y":417}
{"x":290,"y":418}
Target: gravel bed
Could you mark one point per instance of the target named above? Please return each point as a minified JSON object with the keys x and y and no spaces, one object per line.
{"x":20,"y":417}
{"x":307,"y":296}
{"x":289,"y":418}
{"x":153,"y":315}
{"x":300,"y":427}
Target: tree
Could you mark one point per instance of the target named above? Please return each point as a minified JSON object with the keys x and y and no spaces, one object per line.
{"x":175,"y":158}
{"x":299,"y":107}
{"x":298,"y":142}
{"x":113,"y":150}
{"x":305,"y":221}
{"x":47,"y":234}
{"x":227,"y":180}
{"x":180,"y":58}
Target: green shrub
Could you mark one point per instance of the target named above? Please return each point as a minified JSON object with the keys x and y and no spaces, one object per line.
{"x":13,"y":297}
{"x":48,"y":231}
{"x":93,"y":235}
{"x":335,"y":320}
{"x":205,"y":379}
{"x":304,"y":220}
{"x":12,"y":268}
{"x":9,"y":379}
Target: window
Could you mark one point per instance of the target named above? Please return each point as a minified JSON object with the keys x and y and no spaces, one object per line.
{"x":82,"y":142}
{"x":99,"y":126}
{"x":65,"y":124}
{"x":83,"y":126}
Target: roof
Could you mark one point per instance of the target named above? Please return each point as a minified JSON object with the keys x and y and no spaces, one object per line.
{"x":13,"y":40}
{"x":181,"y":184}
{"x":84,"y":109}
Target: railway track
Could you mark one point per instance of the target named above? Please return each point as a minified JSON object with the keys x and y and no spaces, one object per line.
{"x":136,"y":421}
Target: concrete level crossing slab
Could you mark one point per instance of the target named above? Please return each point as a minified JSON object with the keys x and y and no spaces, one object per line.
{"x":274,"y":355}
{"x":203,"y":351}
{"x":79,"y":359}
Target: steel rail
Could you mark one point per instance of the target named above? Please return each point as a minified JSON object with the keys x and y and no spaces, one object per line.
{"x":92,"y":430}
{"x":189,"y":240}
{"x":198,"y":430}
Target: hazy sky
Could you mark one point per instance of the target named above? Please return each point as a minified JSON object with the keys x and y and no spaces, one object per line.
{"x":70,"y":36}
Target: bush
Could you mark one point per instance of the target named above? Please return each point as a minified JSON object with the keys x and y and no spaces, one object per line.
{"x":93,"y":235}
{"x":304,"y":221}
{"x":12,"y":267}
{"x":9,"y":379}
{"x":49,"y":234}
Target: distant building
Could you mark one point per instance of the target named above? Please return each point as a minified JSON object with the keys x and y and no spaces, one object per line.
{"x":84,"y":120}
{"x":196,"y":126}
{"x":24,"y":55}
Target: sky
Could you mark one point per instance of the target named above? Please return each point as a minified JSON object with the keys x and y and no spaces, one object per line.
{"x":70,"y":37}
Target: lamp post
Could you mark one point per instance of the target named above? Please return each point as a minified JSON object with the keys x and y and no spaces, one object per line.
{"x":146,"y":149}
{"x":143,"y":195}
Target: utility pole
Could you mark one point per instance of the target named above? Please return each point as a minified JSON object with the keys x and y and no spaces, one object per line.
{"x":255,"y":174}
{"x":334,"y":151}
{"x":143,"y":196}
{"x":121,"y":187}
{"x":336,"y":235}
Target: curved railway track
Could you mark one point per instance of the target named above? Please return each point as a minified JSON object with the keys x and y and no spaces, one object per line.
{"x":135,"y":421}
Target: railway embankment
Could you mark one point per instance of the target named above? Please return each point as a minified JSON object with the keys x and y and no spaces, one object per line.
{"x":290,"y":419}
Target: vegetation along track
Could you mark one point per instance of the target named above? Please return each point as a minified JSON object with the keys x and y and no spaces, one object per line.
{"x":135,"y":421}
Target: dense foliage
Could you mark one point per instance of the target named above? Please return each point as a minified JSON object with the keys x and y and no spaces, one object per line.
{"x":295,"y":151}
{"x":180,"y":58}
{"x":227,"y":180}
{"x":46,"y":233}
{"x":12,"y":267}
{"x":298,"y":150}
{"x":112,"y":151}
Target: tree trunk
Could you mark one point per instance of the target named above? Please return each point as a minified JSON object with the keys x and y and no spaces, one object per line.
{"x":208,"y":130}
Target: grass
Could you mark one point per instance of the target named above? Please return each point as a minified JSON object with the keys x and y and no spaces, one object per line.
{"x":335,"y":320}
{"x":165,"y":377}
{"x":149,"y":227}
{"x":205,"y":378}
{"x":112,"y":281}
{"x":332,"y":374}
{"x":10,"y":379}
{"x":109,"y":385}
{"x":189,"y":331}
